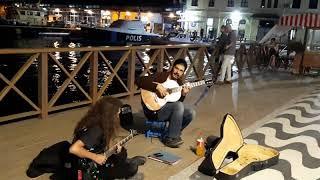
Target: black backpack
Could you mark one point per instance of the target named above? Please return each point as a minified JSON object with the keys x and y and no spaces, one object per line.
{"x":126,"y":117}
{"x":54,"y":159}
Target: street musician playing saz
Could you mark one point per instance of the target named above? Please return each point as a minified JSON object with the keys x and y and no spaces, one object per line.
{"x":96,"y":143}
{"x":162,"y":96}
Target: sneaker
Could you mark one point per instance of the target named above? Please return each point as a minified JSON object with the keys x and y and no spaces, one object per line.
{"x":172,"y":142}
{"x":138,"y":160}
{"x":228,"y":82}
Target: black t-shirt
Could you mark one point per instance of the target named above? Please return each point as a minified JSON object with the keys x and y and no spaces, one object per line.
{"x":223,"y":41}
{"x":93,"y":139}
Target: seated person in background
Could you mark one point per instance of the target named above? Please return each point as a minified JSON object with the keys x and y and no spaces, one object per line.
{"x":175,"y":112}
{"x":98,"y":130}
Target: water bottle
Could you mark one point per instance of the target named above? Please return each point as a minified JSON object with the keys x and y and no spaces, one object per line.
{"x":200,"y":149}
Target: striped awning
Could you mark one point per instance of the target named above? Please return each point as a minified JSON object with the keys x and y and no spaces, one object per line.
{"x":307,"y":20}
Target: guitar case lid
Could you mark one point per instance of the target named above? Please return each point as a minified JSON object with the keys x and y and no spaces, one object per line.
{"x":231,"y":140}
{"x":249,"y":157}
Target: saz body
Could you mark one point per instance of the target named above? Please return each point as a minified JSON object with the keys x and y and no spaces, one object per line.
{"x":91,"y":169}
{"x":154,"y":102}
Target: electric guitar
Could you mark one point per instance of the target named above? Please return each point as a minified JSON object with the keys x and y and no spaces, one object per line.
{"x":91,"y":169}
{"x":154,"y":102}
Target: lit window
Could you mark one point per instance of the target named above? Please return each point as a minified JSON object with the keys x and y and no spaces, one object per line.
{"x":296,"y":4}
{"x":275,"y":5}
{"x":269,"y":3}
{"x":313,"y":4}
{"x":194,"y":3}
{"x":211,"y":3}
{"x":230,"y":3}
{"x":263,"y":3}
{"x":228,"y":22}
{"x":244,"y":3}
{"x":242,"y":21}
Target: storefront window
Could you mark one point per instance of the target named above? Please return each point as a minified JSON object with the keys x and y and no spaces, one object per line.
{"x":242,"y":29}
{"x":313,"y":40}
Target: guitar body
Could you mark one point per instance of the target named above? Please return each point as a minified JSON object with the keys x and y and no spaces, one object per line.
{"x":153,"y":102}
{"x":91,"y":170}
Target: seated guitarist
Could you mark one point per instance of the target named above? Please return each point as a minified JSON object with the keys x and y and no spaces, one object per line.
{"x":98,"y":129}
{"x":175,"y":112}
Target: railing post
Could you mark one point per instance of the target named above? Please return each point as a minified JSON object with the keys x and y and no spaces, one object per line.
{"x":43,"y":85}
{"x":199,"y":65}
{"x":131,"y":73}
{"x":160,"y":61}
{"x":184,"y":54}
{"x":94,"y":76}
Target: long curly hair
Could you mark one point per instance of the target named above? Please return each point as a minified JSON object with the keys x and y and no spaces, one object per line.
{"x":104,"y":114}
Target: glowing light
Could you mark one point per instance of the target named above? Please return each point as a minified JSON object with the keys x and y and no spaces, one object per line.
{"x":128,"y":13}
{"x":150,"y":14}
{"x":73,"y":11}
{"x":190,"y":16}
{"x":171,"y":15}
{"x":235,"y":17}
{"x":144,"y":19}
{"x":89,"y":12}
{"x":105,"y":13}
{"x":57,"y":10}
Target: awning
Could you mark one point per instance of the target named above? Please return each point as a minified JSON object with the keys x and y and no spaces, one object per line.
{"x":275,"y":32}
{"x":307,"y":20}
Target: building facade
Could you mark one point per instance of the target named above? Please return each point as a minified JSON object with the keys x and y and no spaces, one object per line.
{"x":251,"y":18}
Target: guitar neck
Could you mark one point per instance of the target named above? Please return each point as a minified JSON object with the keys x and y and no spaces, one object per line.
{"x":191,"y":85}
{"x":113,"y":149}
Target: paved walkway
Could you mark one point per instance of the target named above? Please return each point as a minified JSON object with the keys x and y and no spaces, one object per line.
{"x":294,"y":131}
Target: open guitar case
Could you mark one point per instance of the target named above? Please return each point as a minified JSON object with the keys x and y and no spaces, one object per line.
{"x":243,"y":158}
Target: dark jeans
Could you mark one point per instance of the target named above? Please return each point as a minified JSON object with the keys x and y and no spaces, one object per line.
{"x":176,"y":113}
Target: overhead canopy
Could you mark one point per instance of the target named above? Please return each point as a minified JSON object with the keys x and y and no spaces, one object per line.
{"x":275,"y":32}
{"x":307,"y":20}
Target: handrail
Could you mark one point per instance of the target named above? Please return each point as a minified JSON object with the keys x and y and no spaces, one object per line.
{"x":98,"y":48}
{"x":40,"y":57}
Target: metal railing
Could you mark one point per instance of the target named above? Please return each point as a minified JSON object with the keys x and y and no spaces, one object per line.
{"x":159,"y":57}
